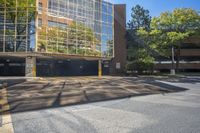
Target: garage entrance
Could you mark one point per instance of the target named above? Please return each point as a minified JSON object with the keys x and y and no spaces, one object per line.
{"x":12,"y":66}
{"x":66,"y":67}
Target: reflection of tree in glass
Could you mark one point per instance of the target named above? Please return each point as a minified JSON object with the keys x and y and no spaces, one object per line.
{"x":76,"y":39}
{"x":19,"y":14}
{"x":48,"y":38}
{"x":110,"y":48}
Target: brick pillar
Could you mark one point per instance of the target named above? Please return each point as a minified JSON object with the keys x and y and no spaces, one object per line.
{"x":118,"y":64}
{"x":30,"y":66}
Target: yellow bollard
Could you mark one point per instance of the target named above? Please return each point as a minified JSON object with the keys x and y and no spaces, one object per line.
{"x":34,"y":71}
{"x":99,"y":69}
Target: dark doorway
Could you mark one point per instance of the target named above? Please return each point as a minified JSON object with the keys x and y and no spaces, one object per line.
{"x":12,"y":66}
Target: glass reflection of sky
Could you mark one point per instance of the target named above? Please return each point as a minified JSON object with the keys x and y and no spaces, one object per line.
{"x":107,"y":28}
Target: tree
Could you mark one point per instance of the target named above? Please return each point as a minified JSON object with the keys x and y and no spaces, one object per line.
{"x":170,"y":29}
{"x":139,"y":57}
{"x":140,"y":18}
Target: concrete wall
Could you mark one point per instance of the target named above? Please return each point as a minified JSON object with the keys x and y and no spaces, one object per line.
{"x":190,"y":52}
{"x":192,"y":66}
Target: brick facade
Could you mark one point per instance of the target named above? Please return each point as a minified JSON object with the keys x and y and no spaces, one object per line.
{"x":119,"y":61}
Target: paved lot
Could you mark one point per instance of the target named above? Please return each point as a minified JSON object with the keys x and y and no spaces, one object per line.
{"x":174,"y":107}
{"x":50,"y":93}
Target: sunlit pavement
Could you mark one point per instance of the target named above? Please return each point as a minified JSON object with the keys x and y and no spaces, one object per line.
{"x":161,"y":112}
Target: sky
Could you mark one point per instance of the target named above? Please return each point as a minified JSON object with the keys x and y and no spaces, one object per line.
{"x":158,"y":6}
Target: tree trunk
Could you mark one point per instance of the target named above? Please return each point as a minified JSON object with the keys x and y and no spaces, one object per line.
{"x":177,"y":59}
{"x":172,"y":69}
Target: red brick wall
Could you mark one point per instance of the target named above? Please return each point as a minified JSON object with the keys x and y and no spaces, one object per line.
{"x":119,"y":39}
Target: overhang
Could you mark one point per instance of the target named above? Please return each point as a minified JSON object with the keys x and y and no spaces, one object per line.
{"x":50,"y":55}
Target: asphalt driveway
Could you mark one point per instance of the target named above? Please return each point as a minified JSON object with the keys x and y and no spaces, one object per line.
{"x":161,"y":105}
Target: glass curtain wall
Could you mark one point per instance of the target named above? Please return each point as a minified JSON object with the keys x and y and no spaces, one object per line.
{"x":17,"y":25}
{"x":76,"y":27}
{"x":107,"y":29}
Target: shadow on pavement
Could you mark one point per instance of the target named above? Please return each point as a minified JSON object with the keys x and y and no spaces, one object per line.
{"x":191,"y":79}
{"x":166,"y":88}
{"x":36,"y":95}
{"x":11,"y":82}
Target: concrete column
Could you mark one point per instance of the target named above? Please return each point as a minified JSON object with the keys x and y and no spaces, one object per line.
{"x":99,"y":68}
{"x":30,"y":67}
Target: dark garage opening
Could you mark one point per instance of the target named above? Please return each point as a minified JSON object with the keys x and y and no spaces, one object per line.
{"x":12,"y":66}
{"x":68,"y":67}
